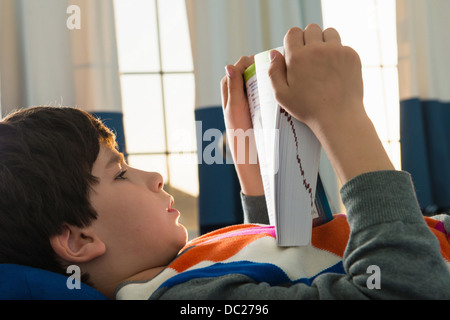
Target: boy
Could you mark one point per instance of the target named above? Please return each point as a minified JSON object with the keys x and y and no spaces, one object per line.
{"x":69,"y":198}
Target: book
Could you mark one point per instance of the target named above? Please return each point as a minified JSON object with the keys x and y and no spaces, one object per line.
{"x":289,"y":155}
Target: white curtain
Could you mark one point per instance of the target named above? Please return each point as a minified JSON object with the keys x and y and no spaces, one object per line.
{"x":423,"y":27}
{"x":224,"y":30}
{"x":52,"y":52}
{"x":221,"y":32}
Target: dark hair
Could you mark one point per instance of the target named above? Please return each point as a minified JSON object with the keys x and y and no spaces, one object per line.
{"x":46,"y":159}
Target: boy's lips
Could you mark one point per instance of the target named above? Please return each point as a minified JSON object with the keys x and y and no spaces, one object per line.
{"x":169,"y":208}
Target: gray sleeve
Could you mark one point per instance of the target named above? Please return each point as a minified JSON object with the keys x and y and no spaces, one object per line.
{"x":387,"y":230}
{"x":255,"y":209}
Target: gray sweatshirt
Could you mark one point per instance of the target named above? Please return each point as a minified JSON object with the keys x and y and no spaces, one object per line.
{"x":387,"y":230}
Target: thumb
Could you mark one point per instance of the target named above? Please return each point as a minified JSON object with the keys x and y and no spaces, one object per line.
{"x":235,"y":83}
{"x":277,"y":72}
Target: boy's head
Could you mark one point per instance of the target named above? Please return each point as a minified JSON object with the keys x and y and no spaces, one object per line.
{"x":68,"y":197}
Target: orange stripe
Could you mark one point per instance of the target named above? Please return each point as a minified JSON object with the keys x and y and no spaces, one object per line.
{"x":215,"y":251}
{"x":332,"y":236}
{"x":443,"y":241}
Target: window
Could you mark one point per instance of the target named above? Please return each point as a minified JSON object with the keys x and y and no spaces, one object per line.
{"x":369,"y":26}
{"x":158,"y":95}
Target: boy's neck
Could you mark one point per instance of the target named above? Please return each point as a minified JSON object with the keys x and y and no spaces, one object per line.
{"x":109,"y":288}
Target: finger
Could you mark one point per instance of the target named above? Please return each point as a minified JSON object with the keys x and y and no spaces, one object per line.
{"x":244,"y":63}
{"x":331,"y":35}
{"x":312,"y":33}
{"x":278,"y":73}
{"x":235,"y":85}
{"x":224,"y":89}
{"x":293,"y":39}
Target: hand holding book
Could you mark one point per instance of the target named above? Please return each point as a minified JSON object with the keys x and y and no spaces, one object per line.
{"x":318,"y":79}
{"x":316,"y":96}
{"x":237,"y":117}
{"x":319,"y":82}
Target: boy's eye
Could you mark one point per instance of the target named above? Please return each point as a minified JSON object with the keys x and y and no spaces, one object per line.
{"x":121,"y":176}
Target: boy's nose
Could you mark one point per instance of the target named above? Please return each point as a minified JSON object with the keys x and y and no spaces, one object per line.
{"x":155,"y":181}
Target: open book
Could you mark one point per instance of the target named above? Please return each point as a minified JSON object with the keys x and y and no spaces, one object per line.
{"x":289,"y":154}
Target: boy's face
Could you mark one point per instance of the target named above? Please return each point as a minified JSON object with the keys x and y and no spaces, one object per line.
{"x":135,"y":218}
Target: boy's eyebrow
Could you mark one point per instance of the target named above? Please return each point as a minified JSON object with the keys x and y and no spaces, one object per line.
{"x":116,"y":157}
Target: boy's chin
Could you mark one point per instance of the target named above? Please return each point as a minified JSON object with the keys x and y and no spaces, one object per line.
{"x":186,"y":234}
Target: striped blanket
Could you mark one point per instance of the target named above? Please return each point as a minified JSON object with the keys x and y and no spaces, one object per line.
{"x":251,"y":250}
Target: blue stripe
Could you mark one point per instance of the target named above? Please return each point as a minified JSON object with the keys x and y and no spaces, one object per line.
{"x":337,"y":268}
{"x":259,"y":272}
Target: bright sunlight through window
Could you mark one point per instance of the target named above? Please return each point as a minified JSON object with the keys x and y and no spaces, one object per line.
{"x":369,"y":26}
{"x":157,"y":83}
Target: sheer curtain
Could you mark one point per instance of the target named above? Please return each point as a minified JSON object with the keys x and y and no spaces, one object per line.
{"x":221,"y":32}
{"x":43,"y":60}
{"x":424,"y":81}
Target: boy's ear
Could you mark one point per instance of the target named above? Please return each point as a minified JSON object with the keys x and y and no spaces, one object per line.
{"x":77,"y":245}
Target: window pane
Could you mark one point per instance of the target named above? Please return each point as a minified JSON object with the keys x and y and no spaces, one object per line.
{"x":143,"y":113}
{"x":381,"y":101}
{"x":390,"y":75}
{"x":388,"y":36}
{"x":393,"y":150}
{"x":179,"y":94}
{"x":374,"y":100}
{"x":356,"y":22}
{"x":183,"y":173}
{"x":137,"y":39}
{"x":175,"y":41}
{"x":150,"y":163}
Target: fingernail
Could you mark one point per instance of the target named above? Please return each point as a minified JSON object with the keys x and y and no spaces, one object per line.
{"x":229,"y":71}
{"x":272,"y":55}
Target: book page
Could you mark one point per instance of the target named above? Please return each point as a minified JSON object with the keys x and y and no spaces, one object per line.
{"x":296,"y":179}
{"x":294,"y":153}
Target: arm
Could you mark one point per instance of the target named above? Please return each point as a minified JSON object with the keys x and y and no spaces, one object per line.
{"x":319,"y":82}
{"x":255,"y":209}
{"x":237,"y":116}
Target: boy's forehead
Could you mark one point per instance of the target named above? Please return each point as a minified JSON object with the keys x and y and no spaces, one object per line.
{"x":108,"y":156}
{"x":116,"y":157}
